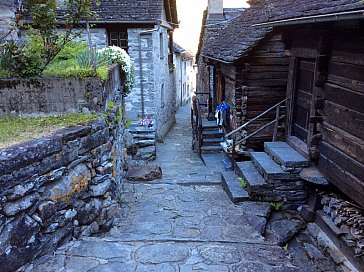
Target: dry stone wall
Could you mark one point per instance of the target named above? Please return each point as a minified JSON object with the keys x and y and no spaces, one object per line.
{"x":64,"y":185}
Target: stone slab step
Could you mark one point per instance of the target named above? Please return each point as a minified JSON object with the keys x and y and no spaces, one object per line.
{"x":256,"y":184}
{"x":212,"y":134}
{"x":268,"y":168}
{"x":313,"y":175}
{"x":212,"y":141}
{"x":233,"y":188}
{"x":135,"y":129}
{"x":144,"y":136}
{"x":285,"y":155}
{"x":211,"y":149}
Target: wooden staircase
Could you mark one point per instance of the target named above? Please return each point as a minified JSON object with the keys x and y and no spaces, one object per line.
{"x":211,"y":138}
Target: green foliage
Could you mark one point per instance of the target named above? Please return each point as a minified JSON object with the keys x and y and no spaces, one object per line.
{"x":41,"y":42}
{"x":113,"y":113}
{"x":102,"y":73}
{"x":15,"y":130}
{"x":128,"y":124}
{"x":276,"y":206}
{"x":285,"y":247}
{"x":72,"y":49}
{"x":74,"y":60}
{"x":243,"y":183}
{"x":21,"y":60}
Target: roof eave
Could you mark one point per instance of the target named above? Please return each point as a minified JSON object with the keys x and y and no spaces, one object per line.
{"x":340,"y":16}
{"x":125,"y":22}
{"x":218,"y":60}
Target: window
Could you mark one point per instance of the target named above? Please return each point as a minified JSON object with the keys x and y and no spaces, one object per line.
{"x":119,"y":38}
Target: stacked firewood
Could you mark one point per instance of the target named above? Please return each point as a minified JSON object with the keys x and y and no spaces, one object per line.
{"x":348,"y":218}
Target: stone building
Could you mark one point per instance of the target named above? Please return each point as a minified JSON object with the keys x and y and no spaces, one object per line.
{"x":6,"y":15}
{"x":145,"y":30}
{"x":185,"y":74}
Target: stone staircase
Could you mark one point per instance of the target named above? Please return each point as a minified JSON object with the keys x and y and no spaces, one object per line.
{"x":212,"y":136}
{"x":270,"y":176}
{"x":145,"y":140}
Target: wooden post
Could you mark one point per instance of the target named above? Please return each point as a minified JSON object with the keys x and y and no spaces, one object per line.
{"x":320,"y":77}
{"x":276,"y":124}
{"x":233,"y":154}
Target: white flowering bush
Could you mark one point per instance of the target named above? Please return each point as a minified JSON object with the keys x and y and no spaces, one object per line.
{"x":119,"y":56}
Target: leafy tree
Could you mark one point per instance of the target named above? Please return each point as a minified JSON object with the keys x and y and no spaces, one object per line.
{"x":38,"y":38}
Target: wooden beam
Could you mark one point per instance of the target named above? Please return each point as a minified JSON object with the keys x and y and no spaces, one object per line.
{"x":347,"y":143}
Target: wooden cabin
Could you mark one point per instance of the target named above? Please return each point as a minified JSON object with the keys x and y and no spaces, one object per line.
{"x":326,"y":87}
{"x":246,"y":66}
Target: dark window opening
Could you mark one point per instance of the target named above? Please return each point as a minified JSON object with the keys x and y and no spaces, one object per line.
{"x":119,"y":38}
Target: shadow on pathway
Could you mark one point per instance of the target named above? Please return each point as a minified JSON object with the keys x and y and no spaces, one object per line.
{"x":184,"y":222}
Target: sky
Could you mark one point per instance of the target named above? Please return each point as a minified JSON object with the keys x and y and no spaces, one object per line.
{"x":190,"y":16}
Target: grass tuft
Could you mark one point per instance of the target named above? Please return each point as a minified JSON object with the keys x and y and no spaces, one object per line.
{"x":14,"y":130}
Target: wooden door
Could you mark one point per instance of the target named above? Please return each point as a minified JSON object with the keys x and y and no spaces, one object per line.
{"x":303,"y":98}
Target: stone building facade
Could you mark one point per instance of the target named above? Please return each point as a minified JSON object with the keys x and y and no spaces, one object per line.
{"x":145,"y":30}
{"x":185,"y":75}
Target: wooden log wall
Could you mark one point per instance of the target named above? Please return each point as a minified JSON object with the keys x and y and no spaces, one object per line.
{"x":342,"y":148}
{"x":337,"y":107}
{"x":264,"y":73}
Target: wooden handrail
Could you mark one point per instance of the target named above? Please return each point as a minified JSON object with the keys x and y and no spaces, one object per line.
{"x":256,"y":118}
{"x":198,"y":128}
{"x":260,"y":129}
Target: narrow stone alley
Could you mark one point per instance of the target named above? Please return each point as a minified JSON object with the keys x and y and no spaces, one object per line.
{"x":184,"y":222}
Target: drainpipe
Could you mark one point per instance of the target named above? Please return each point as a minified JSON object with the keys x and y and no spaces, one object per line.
{"x":141,"y":63}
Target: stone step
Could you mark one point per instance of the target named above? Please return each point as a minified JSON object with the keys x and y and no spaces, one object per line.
{"x":285,"y":155}
{"x":212,"y":134}
{"x":141,"y":130}
{"x":212,"y":141}
{"x":268,"y":168}
{"x":145,"y":143}
{"x":256,"y":184}
{"x":233,"y":188}
{"x":211,"y":149}
{"x":144,"y":136}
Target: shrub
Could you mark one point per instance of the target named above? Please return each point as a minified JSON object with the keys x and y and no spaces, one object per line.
{"x":119,"y":56}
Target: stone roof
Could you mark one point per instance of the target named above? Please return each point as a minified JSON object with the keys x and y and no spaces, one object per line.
{"x":186,"y":54}
{"x":230,"y":39}
{"x":234,"y":38}
{"x":298,"y":9}
{"x":132,"y":11}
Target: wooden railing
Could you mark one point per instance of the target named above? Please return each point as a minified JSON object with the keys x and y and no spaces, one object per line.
{"x":196,"y":122}
{"x":279,"y":117}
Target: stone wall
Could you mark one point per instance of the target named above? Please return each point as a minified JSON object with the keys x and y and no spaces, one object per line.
{"x":158,"y":80}
{"x":61,"y":186}
{"x":98,"y":37}
{"x":185,"y":79}
{"x":49,"y":96}
{"x":7,"y":12}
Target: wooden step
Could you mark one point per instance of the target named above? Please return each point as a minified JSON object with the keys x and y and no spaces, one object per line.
{"x":212,"y":134}
{"x":285,"y":155}
{"x":268,"y":168}
{"x":233,"y":188}
{"x":256,"y":184}
{"x":212,"y":141}
{"x":211,"y":149}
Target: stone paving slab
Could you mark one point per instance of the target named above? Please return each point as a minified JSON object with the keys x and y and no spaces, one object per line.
{"x":173,"y":225}
{"x":97,"y":254}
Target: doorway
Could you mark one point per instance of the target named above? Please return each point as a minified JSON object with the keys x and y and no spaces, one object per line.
{"x":302,"y":99}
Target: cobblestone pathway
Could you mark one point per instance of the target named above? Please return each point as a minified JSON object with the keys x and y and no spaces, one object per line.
{"x":184,"y":222}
